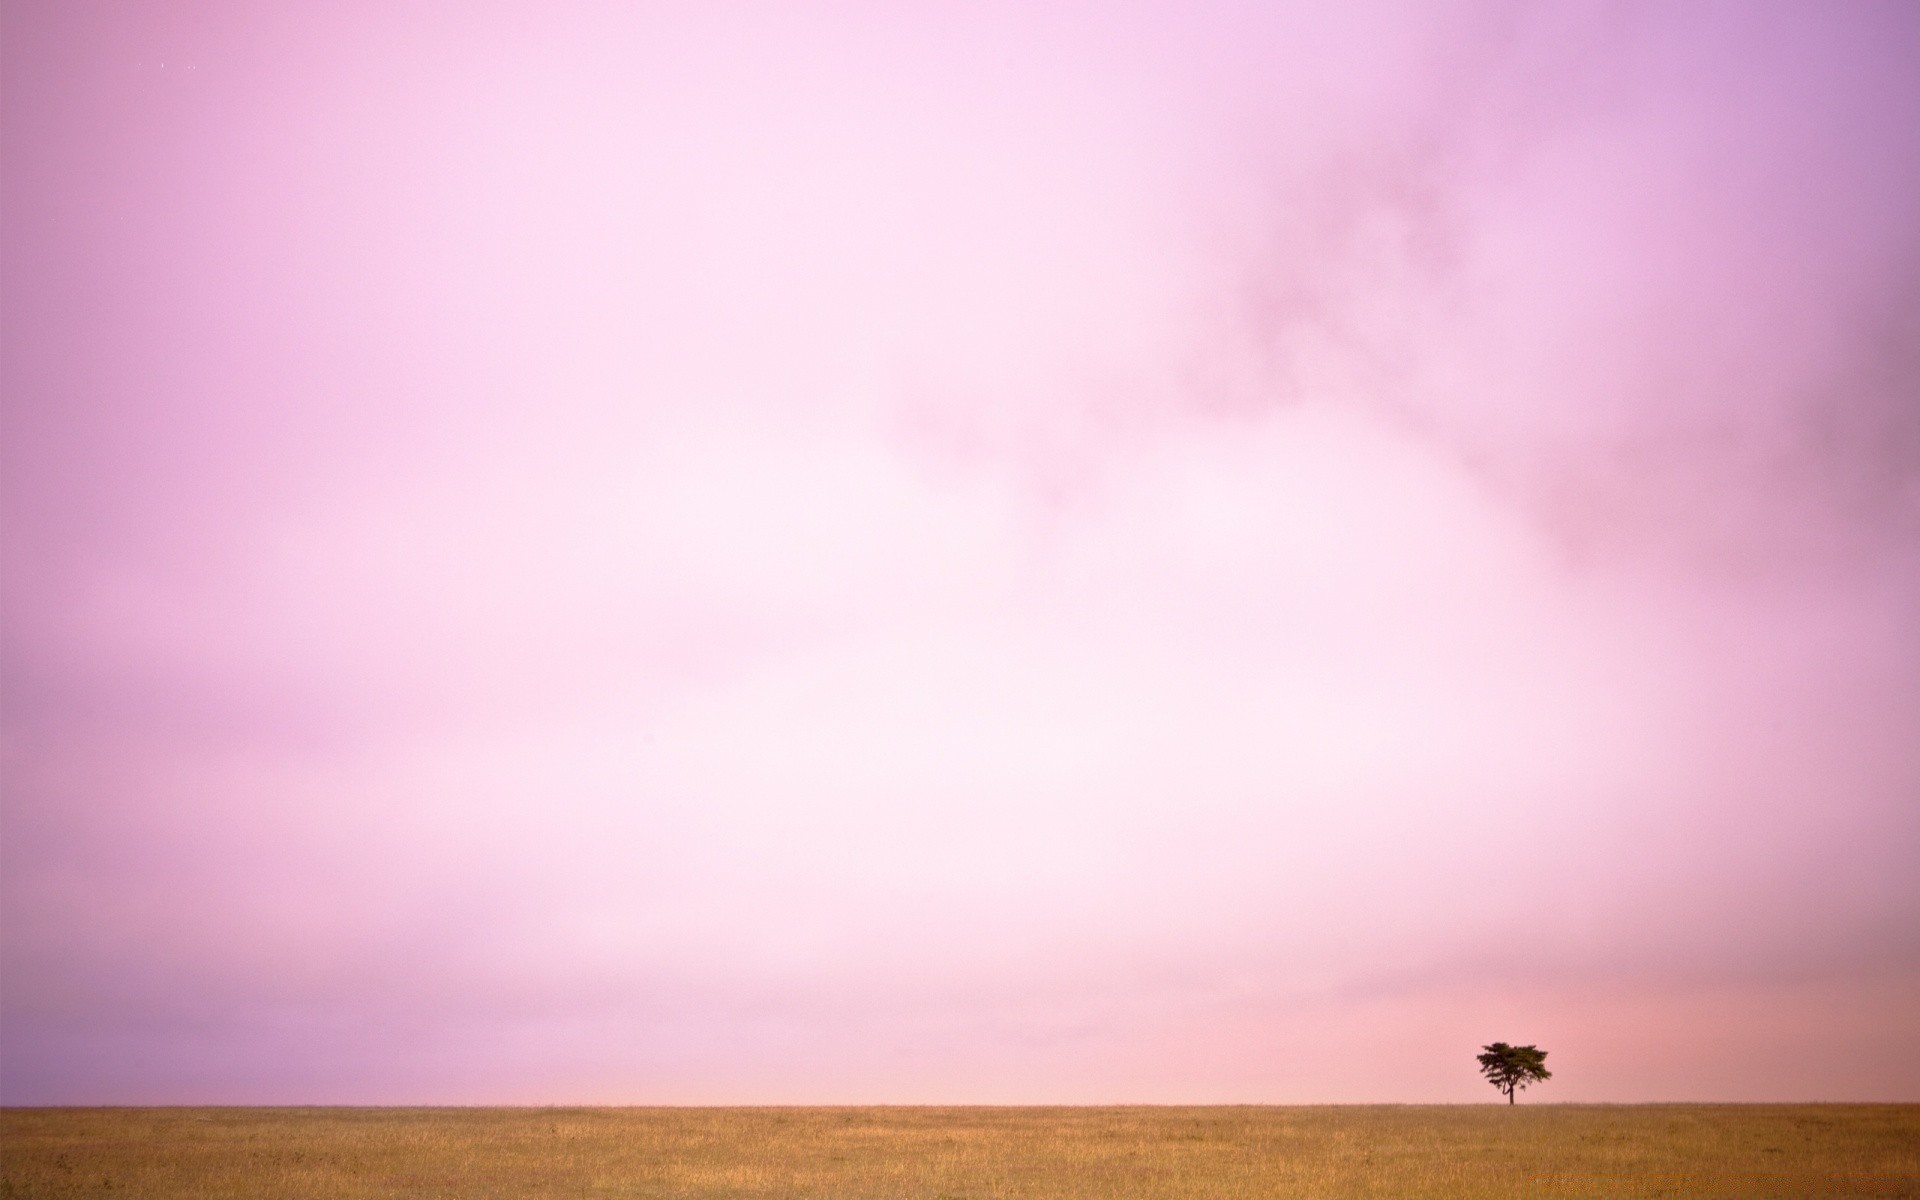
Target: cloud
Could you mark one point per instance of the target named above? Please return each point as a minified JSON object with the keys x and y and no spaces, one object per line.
{"x":954,"y":556}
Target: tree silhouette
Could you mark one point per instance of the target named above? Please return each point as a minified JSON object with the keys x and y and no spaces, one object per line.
{"x":1510,"y":1068}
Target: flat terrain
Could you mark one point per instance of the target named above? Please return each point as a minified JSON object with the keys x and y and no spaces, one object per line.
{"x":1727,"y":1151}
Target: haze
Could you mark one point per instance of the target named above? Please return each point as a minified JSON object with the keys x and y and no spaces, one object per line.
{"x":857,"y":553}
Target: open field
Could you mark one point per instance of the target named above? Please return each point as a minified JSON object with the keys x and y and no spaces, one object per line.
{"x":965,"y":1153}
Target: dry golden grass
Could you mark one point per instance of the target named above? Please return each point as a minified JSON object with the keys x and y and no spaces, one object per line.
{"x":1472,"y":1153}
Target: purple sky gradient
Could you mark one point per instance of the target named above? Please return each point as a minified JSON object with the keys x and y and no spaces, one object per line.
{"x":583,"y":552}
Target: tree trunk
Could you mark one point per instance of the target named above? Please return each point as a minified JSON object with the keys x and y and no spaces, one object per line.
{"x":1509,"y":1094}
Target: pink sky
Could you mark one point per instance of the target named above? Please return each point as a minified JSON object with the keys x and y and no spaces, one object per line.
{"x":585,"y":552}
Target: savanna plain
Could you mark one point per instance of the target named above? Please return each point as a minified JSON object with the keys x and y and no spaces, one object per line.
{"x":887,"y":1153}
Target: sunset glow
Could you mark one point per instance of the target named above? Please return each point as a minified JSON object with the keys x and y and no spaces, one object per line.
{"x":865,"y":553}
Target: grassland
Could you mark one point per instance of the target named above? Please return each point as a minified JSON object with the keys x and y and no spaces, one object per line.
{"x":964,"y":1153}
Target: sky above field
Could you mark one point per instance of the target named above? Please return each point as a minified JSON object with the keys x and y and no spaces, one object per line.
{"x":1121,"y":552}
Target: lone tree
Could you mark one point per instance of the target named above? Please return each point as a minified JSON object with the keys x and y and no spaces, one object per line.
{"x":1512,"y":1067}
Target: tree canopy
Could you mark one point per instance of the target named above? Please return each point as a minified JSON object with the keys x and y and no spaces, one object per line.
{"x":1510,"y":1068}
